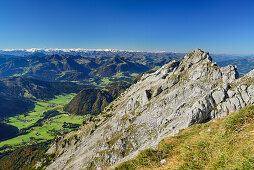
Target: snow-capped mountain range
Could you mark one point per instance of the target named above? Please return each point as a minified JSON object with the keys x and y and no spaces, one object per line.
{"x":25,"y":52}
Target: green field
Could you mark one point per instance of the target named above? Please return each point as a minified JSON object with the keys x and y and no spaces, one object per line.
{"x":105,"y":81}
{"x":134,"y":74}
{"x":45,"y":132}
{"x":120,"y":76}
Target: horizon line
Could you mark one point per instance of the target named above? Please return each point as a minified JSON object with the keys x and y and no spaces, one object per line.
{"x":31,"y":50}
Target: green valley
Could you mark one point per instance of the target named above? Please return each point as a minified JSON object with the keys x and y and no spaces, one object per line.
{"x":32,"y":132}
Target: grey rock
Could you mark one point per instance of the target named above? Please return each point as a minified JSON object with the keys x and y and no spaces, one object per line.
{"x":163,"y":161}
{"x":179,"y":94}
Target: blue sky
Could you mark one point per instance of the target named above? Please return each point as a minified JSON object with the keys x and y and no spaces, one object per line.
{"x":218,"y":26}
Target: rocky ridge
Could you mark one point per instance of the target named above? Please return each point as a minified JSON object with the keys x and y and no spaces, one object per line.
{"x":178,"y":95}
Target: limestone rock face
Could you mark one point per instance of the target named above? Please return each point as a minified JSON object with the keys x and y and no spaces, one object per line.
{"x":179,"y":94}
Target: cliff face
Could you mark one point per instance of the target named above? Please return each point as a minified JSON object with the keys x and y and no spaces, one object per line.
{"x":178,"y":95}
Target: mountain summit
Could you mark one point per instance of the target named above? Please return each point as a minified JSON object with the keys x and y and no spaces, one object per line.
{"x":181,"y":93}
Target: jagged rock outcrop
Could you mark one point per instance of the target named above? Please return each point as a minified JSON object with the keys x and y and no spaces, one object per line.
{"x":181,"y":93}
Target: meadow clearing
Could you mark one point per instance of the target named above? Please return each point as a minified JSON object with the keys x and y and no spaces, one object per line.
{"x":47,"y":130}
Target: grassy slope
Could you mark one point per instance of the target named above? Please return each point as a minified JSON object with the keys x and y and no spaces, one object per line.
{"x":223,"y":143}
{"x":21,"y":121}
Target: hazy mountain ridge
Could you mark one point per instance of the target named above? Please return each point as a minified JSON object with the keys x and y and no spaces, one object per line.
{"x":37,"y":89}
{"x":94,"y":65}
{"x":181,"y":93}
{"x":244,"y":64}
{"x":18,"y":93}
{"x":117,"y":65}
{"x":47,"y":68}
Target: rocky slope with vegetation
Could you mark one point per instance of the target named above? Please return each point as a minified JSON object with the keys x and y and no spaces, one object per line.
{"x":225,"y":143}
{"x":180,"y":94}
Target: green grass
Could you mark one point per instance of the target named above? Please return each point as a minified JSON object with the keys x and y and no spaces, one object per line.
{"x":119,"y":75}
{"x":25,"y":71}
{"x":27,"y":120}
{"x":156,"y":68}
{"x":105,"y":80}
{"x":21,"y":121}
{"x":146,"y":158}
{"x":227,"y":143}
{"x":134,"y":74}
{"x":62,"y":99}
{"x":43,"y":135}
{"x":69,"y":119}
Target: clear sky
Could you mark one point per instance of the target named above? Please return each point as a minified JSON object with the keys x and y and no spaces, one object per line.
{"x":218,"y":26}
